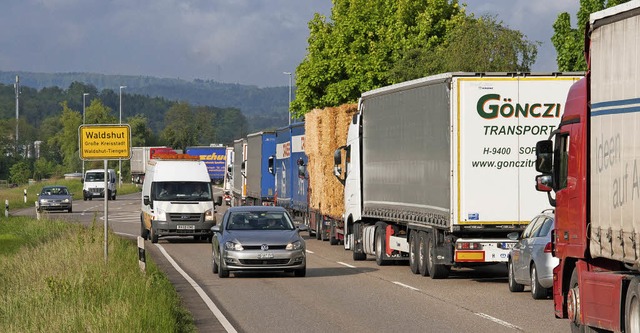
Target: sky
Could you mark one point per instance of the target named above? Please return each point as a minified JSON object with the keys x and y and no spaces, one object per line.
{"x":248,"y":42}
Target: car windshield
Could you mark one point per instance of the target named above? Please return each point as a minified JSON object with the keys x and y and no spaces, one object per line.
{"x":259,"y":220}
{"x":54,"y":191}
{"x":181,"y":191}
{"x":94,"y":177}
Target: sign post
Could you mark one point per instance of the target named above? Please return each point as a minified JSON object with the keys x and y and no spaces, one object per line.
{"x":105,"y":142}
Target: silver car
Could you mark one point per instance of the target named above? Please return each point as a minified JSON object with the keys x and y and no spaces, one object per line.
{"x":55,"y":197}
{"x":531,"y":262}
{"x":258,"y":238}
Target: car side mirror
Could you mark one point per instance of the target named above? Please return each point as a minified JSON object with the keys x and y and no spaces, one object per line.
{"x":302,"y":227}
{"x":513,"y":235}
{"x":218,"y":201}
{"x":216,"y":228}
{"x":544,"y":183}
{"x":145,"y":200}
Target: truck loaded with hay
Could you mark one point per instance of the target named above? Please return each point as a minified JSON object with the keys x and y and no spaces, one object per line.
{"x":325,"y":131}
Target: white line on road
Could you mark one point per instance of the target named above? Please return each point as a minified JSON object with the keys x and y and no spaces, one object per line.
{"x":345,"y":264}
{"x":406,"y":286}
{"x":309,"y":251}
{"x":214,"y":309}
{"x":498,"y":321}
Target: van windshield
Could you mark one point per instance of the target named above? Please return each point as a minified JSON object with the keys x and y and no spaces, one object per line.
{"x":94,"y":177}
{"x":181,"y":191}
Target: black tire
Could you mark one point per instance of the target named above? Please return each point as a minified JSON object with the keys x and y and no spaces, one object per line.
{"x":537,"y":291}
{"x":214,"y":269}
{"x":144,"y":232}
{"x":70,"y":210}
{"x":358,"y":253}
{"x":437,"y":271}
{"x":413,"y":253}
{"x":332,"y":237}
{"x":222,"y":272}
{"x":90,"y":198}
{"x":302,"y":272}
{"x":423,"y":267}
{"x":109,"y":195}
{"x":632,"y":307}
{"x":84,"y":198}
{"x":575,"y":327}
{"x":381,"y":244}
{"x":514,"y":286}
{"x":114,"y":196}
{"x":153,"y":235}
{"x":318,"y":230}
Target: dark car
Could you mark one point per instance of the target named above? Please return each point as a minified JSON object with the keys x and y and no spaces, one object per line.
{"x":258,"y":238}
{"x":55,"y":197}
{"x":531,"y":262}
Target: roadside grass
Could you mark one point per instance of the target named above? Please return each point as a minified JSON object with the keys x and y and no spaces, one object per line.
{"x":16,"y":195}
{"x":53,"y":278}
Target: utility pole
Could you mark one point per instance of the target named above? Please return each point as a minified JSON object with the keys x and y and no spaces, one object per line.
{"x":17,"y":86}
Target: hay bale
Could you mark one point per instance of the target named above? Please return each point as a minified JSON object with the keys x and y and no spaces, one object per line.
{"x":325,"y":131}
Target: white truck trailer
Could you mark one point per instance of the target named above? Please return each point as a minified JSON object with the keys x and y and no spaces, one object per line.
{"x":438,"y":170}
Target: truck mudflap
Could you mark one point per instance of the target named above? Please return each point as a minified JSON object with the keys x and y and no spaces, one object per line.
{"x":482,"y":250}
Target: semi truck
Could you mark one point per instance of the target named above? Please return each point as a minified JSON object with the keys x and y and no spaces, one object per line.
{"x":239,"y":182}
{"x":325,"y":131}
{"x":214,"y":158}
{"x":437,"y":171}
{"x":140,"y":156}
{"x":291,"y":178}
{"x":591,"y":164}
{"x":260,"y":181}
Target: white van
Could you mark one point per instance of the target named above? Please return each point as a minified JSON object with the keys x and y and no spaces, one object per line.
{"x":93,"y":184}
{"x":177,"y":200}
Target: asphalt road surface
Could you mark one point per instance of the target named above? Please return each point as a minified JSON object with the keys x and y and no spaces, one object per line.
{"x":337,"y":295}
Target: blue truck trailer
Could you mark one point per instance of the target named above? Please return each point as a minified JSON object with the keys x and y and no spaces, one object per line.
{"x":260,"y":186}
{"x":292,"y":182}
{"x":214,"y":157}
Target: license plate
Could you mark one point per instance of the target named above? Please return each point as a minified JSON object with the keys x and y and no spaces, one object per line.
{"x":186,"y":227}
{"x":265,"y":255}
{"x":508,"y":246}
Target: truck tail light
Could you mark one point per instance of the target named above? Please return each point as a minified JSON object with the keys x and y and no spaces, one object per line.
{"x":469,"y":246}
{"x":547,"y":248}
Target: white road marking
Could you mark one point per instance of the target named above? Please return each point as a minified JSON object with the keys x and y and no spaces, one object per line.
{"x":345,"y":264}
{"x":214,"y":309}
{"x":498,"y":321}
{"x":406,"y":286}
{"x":309,"y":251}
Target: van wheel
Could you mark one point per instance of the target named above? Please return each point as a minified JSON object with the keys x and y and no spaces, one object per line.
{"x":109,"y":195}
{"x":154,"y":235}
{"x":144,"y":232}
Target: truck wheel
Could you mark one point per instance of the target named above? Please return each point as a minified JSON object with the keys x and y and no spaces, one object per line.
{"x":423,"y":267}
{"x":358,"y":253}
{"x":381,"y":244}
{"x":318,"y":230}
{"x":632,"y":307}
{"x":413,"y":253}
{"x":514,"y":286}
{"x":437,"y":271}
{"x":537,"y":291}
{"x":573,"y":301}
{"x":332,"y":237}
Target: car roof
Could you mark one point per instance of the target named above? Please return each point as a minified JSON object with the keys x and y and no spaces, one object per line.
{"x":54,"y":186}
{"x":256,"y":209}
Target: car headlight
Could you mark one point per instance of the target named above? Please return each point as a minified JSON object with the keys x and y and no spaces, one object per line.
{"x":44,"y":200}
{"x":297,"y":245}
{"x":208,"y":215}
{"x":233,"y":246}
{"x":65,"y":200}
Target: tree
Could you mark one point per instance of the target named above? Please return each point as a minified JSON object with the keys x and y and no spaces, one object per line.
{"x":20,"y":172}
{"x":355,"y":51}
{"x":473,"y":45}
{"x":141,"y":134}
{"x":568,"y":41}
{"x":67,"y":137}
{"x":180,"y":128}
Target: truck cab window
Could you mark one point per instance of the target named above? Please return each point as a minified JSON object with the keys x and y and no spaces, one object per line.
{"x":561,"y":161}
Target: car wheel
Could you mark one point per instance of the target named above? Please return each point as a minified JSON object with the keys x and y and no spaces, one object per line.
{"x":70,"y":210}
{"x":113,"y":197}
{"x":514,"y":286}
{"x":222,"y":272}
{"x":537,"y":291}
{"x":302,"y":272}
{"x":215,"y":266}
{"x":437,"y":271}
{"x":413,"y":253}
{"x":84,"y":198}
{"x":144,"y":232}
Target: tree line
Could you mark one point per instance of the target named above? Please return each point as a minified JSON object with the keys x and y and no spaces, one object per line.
{"x":49,"y":119}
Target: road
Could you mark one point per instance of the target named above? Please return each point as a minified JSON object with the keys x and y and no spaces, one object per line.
{"x":337,"y":295}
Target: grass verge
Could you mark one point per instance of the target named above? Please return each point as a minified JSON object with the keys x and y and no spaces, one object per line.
{"x":53,"y":278}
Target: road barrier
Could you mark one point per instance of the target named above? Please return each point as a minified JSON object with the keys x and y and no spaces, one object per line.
{"x":142,"y":260}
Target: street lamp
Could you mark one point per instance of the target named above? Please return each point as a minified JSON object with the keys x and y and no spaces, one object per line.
{"x":84,"y":96}
{"x":120,"y":160}
{"x":289,"y":73}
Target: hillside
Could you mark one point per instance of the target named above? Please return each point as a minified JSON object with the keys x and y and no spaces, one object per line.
{"x":263,"y":107}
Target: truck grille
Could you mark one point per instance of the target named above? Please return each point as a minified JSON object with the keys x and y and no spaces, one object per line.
{"x":185,"y":217}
